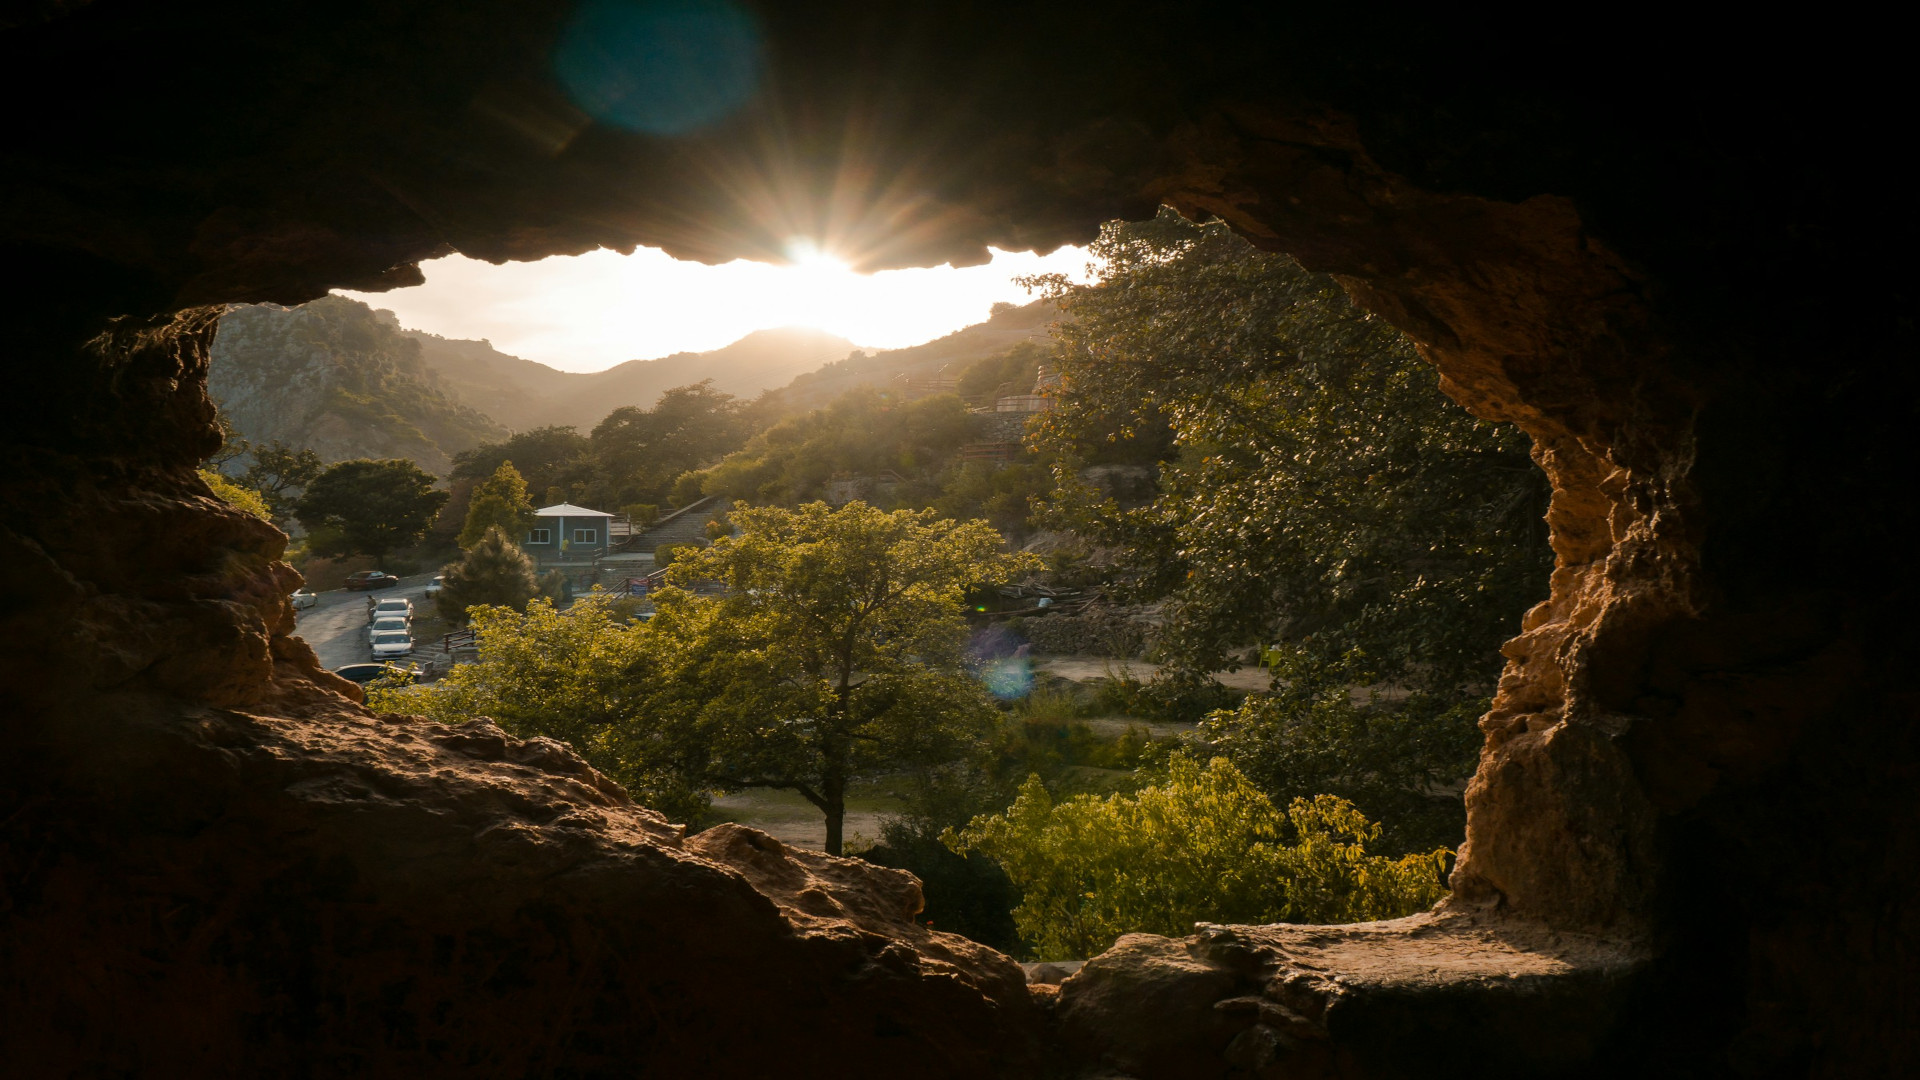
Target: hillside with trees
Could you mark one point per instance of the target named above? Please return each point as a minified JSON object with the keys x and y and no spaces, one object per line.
{"x":338,"y":378}
{"x":523,"y":394}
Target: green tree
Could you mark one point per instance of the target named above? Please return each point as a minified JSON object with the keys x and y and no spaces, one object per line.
{"x":1203,"y":845}
{"x":1315,"y":491}
{"x":639,"y":453}
{"x":279,"y":473}
{"x":837,"y":650}
{"x":369,"y":507}
{"x":500,"y":501}
{"x":580,"y":676}
{"x":858,"y":433}
{"x":493,"y":571}
{"x":548,"y":457}
{"x":238,"y":495}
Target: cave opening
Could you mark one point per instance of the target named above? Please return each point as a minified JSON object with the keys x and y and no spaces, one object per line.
{"x":1690,"y":837}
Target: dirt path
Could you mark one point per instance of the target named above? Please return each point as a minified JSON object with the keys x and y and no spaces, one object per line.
{"x":789,"y":818}
{"x":1082,"y":668}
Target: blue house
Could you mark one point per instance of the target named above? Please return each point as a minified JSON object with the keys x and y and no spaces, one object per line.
{"x":565,"y":532}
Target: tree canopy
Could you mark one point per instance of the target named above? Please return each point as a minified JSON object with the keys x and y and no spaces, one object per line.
{"x":493,"y":571}
{"x":280,"y":473}
{"x":369,"y":507}
{"x":1315,"y":493}
{"x":498,"y":502}
{"x":837,"y":649}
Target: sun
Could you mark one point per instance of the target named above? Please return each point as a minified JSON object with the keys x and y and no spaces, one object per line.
{"x":807,"y":255}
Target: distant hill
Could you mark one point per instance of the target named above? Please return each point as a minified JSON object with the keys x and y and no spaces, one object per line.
{"x":1006,"y":327}
{"x":523,"y":394}
{"x":342,"y":379}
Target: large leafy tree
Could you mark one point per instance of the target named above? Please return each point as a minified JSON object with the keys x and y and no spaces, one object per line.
{"x":1315,"y":492}
{"x":583,"y":676}
{"x":498,"y":502}
{"x":838,"y":648}
{"x":369,"y":507}
{"x":638,"y":453}
{"x":547,"y":457}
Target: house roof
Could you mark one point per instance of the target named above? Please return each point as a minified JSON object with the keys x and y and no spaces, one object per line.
{"x":568,"y":510}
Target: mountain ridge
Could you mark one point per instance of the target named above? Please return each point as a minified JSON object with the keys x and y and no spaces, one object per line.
{"x":524,"y":394}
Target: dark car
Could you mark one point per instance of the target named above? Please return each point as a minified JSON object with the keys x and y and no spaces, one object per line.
{"x":371,"y":579}
{"x":366,"y":673}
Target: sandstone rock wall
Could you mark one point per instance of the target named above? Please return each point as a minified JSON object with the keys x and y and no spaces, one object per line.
{"x":1664,"y":259}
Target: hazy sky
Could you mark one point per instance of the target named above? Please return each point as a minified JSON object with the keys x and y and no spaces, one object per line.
{"x":592,"y":311}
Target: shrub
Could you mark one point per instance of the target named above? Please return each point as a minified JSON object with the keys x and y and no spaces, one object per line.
{"x":665,"y":554}
{"x":1203,"y":845}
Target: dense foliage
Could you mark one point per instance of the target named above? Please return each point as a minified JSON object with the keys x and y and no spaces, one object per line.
{"x":237,"y":495}
{"x":368,"y":507}
{"x":859,"y":434}
{"x":498,"y":502}
{"x":280,"y":473}
{"x":1317,"y":494}
{"x":493,"y":571}
{"x":1204,"y":844}
{"x":838,"y":648}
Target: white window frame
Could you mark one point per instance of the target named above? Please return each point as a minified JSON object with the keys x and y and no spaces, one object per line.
{"x":539,"y":536}
{"x":586,"y":536}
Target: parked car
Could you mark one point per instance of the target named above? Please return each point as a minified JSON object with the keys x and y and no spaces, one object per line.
{"x":391,"y":606}
{"x":371,"y":579}
{"x":391,"y":643}
{"x":304,"y":599}
{"x":366,"y":673}
{"x":386,"y":623}
{"x":433,"y":587}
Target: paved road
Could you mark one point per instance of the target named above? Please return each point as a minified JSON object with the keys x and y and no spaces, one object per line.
{"x":336,"y":627}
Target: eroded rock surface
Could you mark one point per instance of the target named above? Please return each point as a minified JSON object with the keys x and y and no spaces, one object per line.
{"x":1664,"y":253}
{"x":216,"y":892}
{"x":1447,"y":995}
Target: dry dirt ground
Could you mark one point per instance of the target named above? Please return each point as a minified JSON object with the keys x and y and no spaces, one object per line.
{"x":789,"y":818}
{"x":1082,"y":668}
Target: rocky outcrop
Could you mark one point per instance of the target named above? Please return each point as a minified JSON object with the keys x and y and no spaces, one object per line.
{"x":1424,"y":996}
{"x":336,"y":377}
{"x":1662,"y":258}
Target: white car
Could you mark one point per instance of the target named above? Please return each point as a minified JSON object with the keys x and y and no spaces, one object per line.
{"x":390,"y":606}
{"x":304,"y":599}
{"x":390,"y":622}
{"x":433,"y":587}
{"x":389,"y":644}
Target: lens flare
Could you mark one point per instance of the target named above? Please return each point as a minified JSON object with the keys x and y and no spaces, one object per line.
{"x":660,"y":67}
{"x":1009,"y":679}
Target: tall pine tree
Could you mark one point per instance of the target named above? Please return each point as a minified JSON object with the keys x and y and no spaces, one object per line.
{"x":493,"y":571}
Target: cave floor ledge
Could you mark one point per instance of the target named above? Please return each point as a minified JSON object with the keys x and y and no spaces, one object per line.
{"x":1380,"y":999}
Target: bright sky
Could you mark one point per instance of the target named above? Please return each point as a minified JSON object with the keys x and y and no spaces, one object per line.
{"x":590,"y":312}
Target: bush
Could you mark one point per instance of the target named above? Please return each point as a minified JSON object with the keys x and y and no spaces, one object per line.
{"x":967,"y":895}
{"x":1203,"y":845}
{"x":1171,"y":698}
{"x":665,"y":554}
